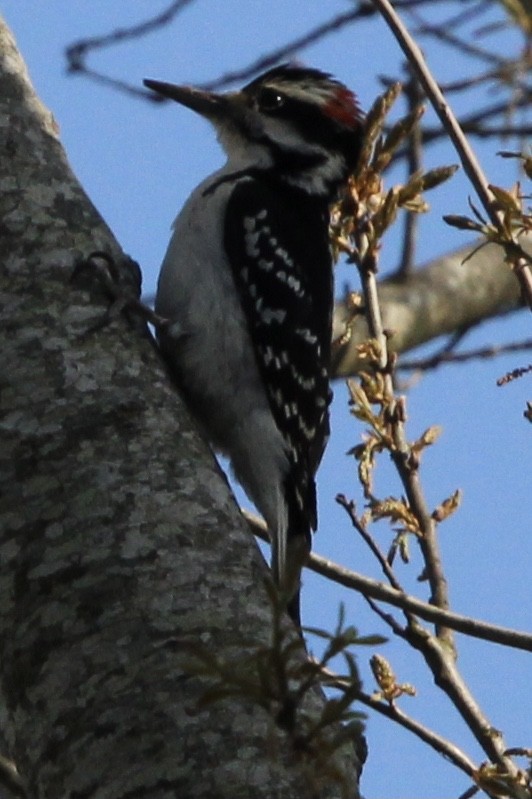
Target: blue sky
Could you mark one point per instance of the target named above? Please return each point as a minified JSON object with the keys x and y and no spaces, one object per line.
{"x":138,"y":163}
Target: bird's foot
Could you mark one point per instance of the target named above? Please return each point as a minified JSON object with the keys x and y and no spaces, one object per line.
{"x":123,"y":294}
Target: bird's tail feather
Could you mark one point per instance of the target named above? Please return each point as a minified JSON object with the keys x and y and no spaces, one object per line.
{"x":290,"y":548}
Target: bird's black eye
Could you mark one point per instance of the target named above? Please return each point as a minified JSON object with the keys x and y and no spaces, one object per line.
{"x":269,"y":100}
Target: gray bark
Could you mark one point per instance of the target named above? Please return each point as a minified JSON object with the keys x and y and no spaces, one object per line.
{"x":119,"y":538}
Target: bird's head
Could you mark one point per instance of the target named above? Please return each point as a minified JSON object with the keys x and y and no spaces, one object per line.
{"x":300,"y":124}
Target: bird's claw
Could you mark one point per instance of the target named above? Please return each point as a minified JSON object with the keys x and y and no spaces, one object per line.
{"x":104,"y":268}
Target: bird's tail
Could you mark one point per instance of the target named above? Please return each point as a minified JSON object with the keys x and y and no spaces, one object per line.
{"x":290,"y":549}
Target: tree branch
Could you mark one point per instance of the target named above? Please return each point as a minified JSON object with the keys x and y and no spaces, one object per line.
{"x":447,"y":356}
{"x":448,"y":294}
{"x":437,"y":742}
{"x":467,"y":157}
{"x":406,"y":465}
{"x":375,"y":589}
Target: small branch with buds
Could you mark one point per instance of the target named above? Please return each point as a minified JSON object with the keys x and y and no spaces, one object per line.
{"x":495,"y":206}
{"x":359,"y":222}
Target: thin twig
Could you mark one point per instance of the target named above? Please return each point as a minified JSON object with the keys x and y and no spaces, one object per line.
{"x":392,"y":711}
{"x":498,"y":131}
{"x":474,"y":128}
{"x":289,"y":49}
{"x":437,"y":742}
{"x":456,"y":20}
{"x":472,"y":791}
{"x":447,"y":357}
{"x":377,"y":590}
{"x":444,"y":34}
{"x":366,"y":586}
{"x":442,"y":664}
{"x":350,"y":509}
{"x":363,"y":10}
{"x":406,"y":468}
{"x":452,"y":342}
{"x":414,"y":158}
{"x":387,"y":618}
{"x":506,"y":73}
{"x":494,"y":110}
{"x":468,"y":158}
{"x":77,"y":52}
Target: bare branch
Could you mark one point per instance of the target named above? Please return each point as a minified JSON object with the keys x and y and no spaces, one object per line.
{"x":521,"y":267}
{"x":470,"y":792}
{"x":377,"y":590}
{"x":414,"y":160}
{"x":437,"y":742}
{"x":400,"y":452}
{"x":508,"y":73}
{"x":387,"y":618}
{"x":468,"y":14}
{"x":443,"y":33}
{"x":442,"y":663}
{"x":392,"y":711}
{"x":449,"y":294}
{"x":447,"y":356}
{"x":77,"y":52}
{"x":289,"y":49}
{"x":349,"y":507}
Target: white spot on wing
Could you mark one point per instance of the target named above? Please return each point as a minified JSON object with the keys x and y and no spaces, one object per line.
{"x":306,"y":383}
{"x":308,"y":336}
{"x":269,"y":315}
{"x":278,"y":397}
{"x":282,"y":253}
{"x":268,"y":355}
{"x":267,"y":266}
{"x":291,"y":281}
{"x":308,"y":432}
{"x":288,"y":410}
{"x":251,"y":241}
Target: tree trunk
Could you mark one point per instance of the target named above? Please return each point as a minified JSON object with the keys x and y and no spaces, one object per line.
{"x":120,"y":542}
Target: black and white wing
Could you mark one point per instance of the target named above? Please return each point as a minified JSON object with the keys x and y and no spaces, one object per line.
{"x":281,"y":263}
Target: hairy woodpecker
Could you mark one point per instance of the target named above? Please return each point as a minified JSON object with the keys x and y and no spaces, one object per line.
{"x":247,"y":284}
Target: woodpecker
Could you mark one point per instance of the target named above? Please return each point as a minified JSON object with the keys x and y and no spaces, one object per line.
{"x":247,"y":286}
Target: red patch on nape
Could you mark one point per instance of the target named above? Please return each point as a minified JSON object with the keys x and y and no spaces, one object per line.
{"x":343,"y":106}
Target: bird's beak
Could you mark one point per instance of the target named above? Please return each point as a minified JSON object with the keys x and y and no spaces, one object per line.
{"x":209,"y":105}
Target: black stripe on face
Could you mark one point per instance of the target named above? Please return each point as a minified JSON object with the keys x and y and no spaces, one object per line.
{"x":314,"y":126}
